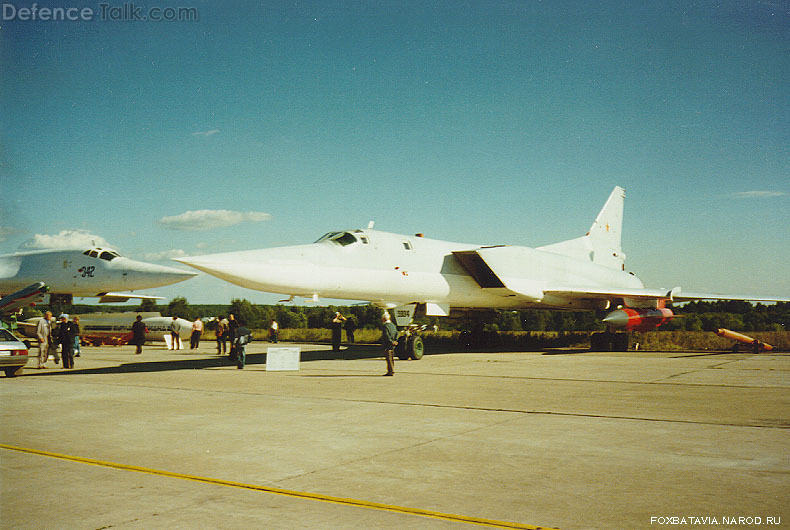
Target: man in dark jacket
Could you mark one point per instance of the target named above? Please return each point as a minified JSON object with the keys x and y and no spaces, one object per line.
{"x":389,"y":339}
{"x":138,"y":334}
{"x":337,"y":330}
{"x":65,"y":337}
{"x":350,"y":326}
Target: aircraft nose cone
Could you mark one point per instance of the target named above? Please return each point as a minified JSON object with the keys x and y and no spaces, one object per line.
{"x":264,"y":270}
{"x":229,"y":270}
{"x":150,"y":274}
{"x":200,"y":263}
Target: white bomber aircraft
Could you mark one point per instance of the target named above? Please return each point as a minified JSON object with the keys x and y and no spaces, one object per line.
{"x":403,"y":272}
{"x":94,"y":272}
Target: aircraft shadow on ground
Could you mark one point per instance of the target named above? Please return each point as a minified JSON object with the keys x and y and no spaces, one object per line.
{"x":350,"y":352}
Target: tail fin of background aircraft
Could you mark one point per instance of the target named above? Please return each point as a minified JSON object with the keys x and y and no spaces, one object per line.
{"x":601,"y":244}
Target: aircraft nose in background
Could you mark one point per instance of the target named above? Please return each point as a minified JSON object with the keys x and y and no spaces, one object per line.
{"x":215,"y":265}
{"x":145,"y":275}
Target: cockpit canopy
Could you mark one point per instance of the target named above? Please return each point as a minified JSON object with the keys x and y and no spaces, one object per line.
{"x":102,"y":253}
{"x":344,"y":238}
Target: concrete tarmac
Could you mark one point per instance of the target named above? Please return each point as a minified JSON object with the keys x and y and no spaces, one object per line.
{"x":561,"y":439}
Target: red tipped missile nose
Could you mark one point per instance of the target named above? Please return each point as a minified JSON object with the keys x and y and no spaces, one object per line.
{"x":618,"y":319}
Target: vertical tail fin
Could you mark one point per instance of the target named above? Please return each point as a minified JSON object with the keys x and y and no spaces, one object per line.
{"x":601,"y":244}
{"x":606,"y":231}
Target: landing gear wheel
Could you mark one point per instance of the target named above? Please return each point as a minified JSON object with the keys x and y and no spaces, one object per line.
{"x":415,"y":347}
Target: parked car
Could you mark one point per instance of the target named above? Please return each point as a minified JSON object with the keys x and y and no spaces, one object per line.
{"x":13,"y":354}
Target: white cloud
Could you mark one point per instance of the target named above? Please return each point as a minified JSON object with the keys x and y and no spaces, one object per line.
{"x":66,"y":239}
{"x":164,"y":255}
{"x":208,"y":219}
{"x":756,"y":194}
{"x":210,"y":132}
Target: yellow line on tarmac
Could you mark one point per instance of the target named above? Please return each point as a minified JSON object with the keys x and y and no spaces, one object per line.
{"x":288,"y":493}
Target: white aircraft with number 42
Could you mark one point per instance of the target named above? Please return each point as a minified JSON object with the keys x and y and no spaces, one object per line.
{"x":94,"y":272}
{"x":404,"y":273}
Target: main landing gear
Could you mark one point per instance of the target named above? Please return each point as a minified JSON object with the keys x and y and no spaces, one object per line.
{"x":609,"y":341}
{"x":410,"y":345}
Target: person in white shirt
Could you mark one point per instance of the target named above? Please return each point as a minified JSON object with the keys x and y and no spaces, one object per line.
{"x":44,"y":335}
{"x":197,"y":331}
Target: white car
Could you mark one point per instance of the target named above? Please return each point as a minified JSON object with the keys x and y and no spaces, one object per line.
{"x":13,"y":354}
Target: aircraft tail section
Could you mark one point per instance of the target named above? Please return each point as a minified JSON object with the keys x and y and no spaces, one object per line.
{"x":606,"y":231}
{"x":602,"y":244}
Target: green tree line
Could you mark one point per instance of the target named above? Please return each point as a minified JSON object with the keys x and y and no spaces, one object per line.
{"x":695,"y":316}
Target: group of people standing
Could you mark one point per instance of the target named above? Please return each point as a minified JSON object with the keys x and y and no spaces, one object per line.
{"x":339,"y":323}
{"x":389,"y":336}
{"x":64,"y":333}
{"x":226,"y":331}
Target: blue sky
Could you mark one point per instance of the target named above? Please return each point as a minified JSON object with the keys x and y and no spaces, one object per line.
{"x":490,"y":122}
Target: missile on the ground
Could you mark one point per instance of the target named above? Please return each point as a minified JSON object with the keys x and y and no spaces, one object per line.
{"x":743,"y":339}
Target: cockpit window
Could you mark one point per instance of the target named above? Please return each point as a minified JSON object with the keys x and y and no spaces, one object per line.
{"x":326,"y":236}
{"x":107,"y":255}
{"x":341,"y":238}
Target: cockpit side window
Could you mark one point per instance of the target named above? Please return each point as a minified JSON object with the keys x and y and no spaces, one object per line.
{"x":107,"y":255}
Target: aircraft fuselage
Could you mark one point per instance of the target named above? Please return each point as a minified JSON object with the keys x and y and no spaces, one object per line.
{"x":389,"y":268}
